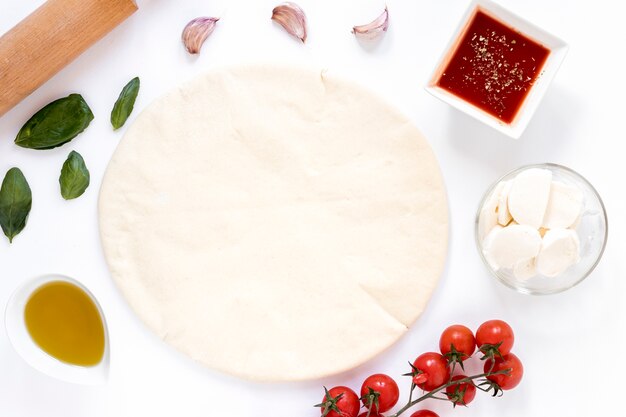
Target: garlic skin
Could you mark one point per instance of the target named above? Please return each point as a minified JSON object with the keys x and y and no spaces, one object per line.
{"x":291,"y":17}
{"x":196,"y":32}
{"x":374,"y":29}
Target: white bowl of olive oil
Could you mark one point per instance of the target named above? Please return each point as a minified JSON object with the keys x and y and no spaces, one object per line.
{"x":57,"y":326}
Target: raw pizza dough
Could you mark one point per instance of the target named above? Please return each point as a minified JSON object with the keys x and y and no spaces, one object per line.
{"x":277,"y":224}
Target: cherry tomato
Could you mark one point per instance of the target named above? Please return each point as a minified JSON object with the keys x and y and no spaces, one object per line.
{"x":511,"y":362}
{"x":457,"y":343}
{"x":340,"y":402}
{"x":433,"y":371}
{"x":379,"y":393}
{"x":372,"y":414}
{"x":463,"y":393}
{"x":491,"y":333}
{"x":424,"y":413}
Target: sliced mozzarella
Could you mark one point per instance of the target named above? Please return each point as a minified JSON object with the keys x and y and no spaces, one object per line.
{"x":509,"y":245}
{"x":529,"y":196}
{"x":488,"y":218}
{"x":577,"y":221}
{"x":487,"y":242}
{"x":564,"y":206}
{"x":504,"y":216}
{"x":525,"y":269}
{"x":559,"y":250}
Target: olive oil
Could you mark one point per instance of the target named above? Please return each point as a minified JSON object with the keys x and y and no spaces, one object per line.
{"x":64,"y":322}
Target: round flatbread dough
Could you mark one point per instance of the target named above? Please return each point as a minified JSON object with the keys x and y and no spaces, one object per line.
{"x":277,"y":224}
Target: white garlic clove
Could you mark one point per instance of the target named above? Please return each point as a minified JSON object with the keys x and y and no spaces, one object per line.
{"x":196,"y":32}
{"x":373,"y":29}
{"x":291,"y":17}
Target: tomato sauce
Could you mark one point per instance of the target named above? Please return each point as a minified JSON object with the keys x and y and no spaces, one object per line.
{"x":494,"y":67}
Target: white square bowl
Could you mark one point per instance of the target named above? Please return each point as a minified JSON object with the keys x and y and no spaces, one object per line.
{"x":558,"y":50}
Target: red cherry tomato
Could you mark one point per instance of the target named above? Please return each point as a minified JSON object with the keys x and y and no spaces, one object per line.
{"x":340,"y":402}
{"x":379,"y":393}
{"x":463,"y":393}
{"x":424,"y":413}
{"x":510,"y":362}
{"x":457,"y":343}
{"x":372,"y":414}
{"x":433,"y":371}
{"x":493,"y":332}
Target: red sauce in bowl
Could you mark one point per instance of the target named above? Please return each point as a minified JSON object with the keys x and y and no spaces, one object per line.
{"x":493,"y":67}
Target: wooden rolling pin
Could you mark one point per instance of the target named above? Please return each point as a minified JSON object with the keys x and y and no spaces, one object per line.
{"x":50,"y":38}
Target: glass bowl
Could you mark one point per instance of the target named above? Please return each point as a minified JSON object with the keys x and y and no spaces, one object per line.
{"x":592,"y":231}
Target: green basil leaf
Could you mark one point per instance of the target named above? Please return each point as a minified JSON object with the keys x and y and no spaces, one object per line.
{"x":56,"y":124}
{"x":74,"y":177}
{"x":125,"y":102}
{"x":15,"y":203}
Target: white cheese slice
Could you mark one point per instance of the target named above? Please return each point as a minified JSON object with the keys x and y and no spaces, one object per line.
{"x":564,"y":206}
{"x":529,"y":196}
{"x":504,"y":216}
{"x":488,"y":217}
{"x":509,"y":245}
{"x":560,"y":249}
{"x":525,"y":269}
{"x":487,"y":244}
{"x":577,"y":221}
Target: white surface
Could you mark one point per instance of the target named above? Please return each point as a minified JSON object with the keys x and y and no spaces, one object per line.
{"x":578,"y":125}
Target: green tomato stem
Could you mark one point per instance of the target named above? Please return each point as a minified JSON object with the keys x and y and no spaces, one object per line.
{"x":432,"y":393}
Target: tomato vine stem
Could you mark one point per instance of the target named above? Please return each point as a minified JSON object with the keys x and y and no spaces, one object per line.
{"x":432,"y":393}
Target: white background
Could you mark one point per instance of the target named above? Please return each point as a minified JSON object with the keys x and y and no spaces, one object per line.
{"x":571,"y":344}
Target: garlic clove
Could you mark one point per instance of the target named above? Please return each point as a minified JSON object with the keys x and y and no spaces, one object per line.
{"x":197,"y":31}
{"x":292,"y":18}
{"x":373,"y":29}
